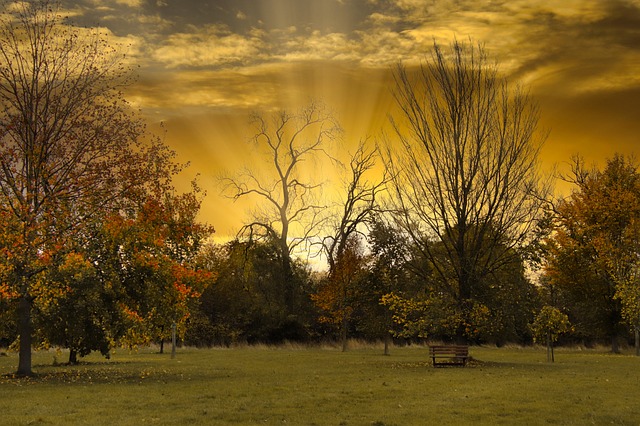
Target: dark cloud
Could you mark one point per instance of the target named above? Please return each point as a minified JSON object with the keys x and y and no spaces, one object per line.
{"x":620,"y":27}
{"x":576,"y":53}
{"x":242,"y":15}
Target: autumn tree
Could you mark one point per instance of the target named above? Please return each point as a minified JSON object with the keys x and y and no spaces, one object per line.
{"x":628,"y":292}
{"x":464,"y":162}
{"x":288,"y":208}
{"x":75,"y":309}
{"x":71,"y":147}
{"x":340,"y":294}
{"x":151,"y":255}
{"x":129,"y":281}
{"x":359,"y":201}
{"x":547,"y":327}
{"x":594,"y":250}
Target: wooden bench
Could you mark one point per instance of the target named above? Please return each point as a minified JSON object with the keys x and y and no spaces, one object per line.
{"x":449,"y":355}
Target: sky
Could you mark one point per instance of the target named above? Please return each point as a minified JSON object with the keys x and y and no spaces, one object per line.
{"x":204,"y":65}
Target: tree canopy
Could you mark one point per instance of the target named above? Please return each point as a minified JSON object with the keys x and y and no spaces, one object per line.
{"x":72,"y":149}
{"x":594,"y":249}
{"x":464,"y":158}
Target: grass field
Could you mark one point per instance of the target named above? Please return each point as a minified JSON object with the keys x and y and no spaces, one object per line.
{"x":323,"y":386}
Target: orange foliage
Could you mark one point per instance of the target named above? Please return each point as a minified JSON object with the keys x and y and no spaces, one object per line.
{"x":131,"y":314}
{"x":6,"y":293}
{"x":338,"y":294}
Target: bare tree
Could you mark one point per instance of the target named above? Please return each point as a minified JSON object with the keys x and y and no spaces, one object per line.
{"x":288,"y":211}
{"x":465,"y":165}
{"x":70,"y":145}
{"x":360,"y":201}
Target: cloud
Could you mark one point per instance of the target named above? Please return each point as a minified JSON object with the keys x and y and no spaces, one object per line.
{"x":213,"y":45}
{"x":173,"y":91}
{"x":316,"y":46}
{"x":108,"y":4}
{"x":131,"y":3}
{"x":597,"y":47}
{"x":382,"y":47}
{"x":381,"y":19}
{"x":574,"y":46}
{"x":592,"y":45}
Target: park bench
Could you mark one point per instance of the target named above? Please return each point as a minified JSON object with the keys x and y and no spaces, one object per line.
{"x":449,"y":355}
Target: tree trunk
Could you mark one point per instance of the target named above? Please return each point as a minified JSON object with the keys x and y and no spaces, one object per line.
{"x":73,"y":357}
{"x":465,"y":284}
{"x":615,"y":347}
{"x":24,"y":330}
{"x":173,"y":340}
{"x":161,"y":346}
{"x":549,"y":348}
{"x":343,"y":333}
{"x":290,"y":296}
{"x":637,"y":335}
{"x":387,"y":339}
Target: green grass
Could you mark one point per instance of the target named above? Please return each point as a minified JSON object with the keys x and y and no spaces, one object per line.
{"x":323,"y":386}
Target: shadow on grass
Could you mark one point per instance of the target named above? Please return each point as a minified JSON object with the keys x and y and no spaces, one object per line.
{"x":83,"y":373}
{"x":472,"y":363}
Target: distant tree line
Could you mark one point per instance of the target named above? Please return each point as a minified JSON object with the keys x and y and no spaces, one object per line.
{"x":443,"y":229}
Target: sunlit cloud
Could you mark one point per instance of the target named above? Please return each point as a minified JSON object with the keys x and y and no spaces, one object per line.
{"x":382,"y":47}
{"x":380,"y":19}
{"x":317,"y":46}
{"x":130,"y":3}
{"x":110,"y":4}
{"x":211,"y":46}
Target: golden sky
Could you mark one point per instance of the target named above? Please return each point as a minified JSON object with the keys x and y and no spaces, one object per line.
{"x":206,"y":64}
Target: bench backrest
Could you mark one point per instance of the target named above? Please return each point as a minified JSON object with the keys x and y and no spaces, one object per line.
{"x":456,"y":350}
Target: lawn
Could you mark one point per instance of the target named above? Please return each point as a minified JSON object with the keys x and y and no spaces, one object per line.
{"x":323,"y":386}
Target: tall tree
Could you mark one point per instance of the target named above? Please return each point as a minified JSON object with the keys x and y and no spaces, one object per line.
{"x":288,"y":210}
{"x":595,"y":249}
{"x":361,"y":199}
{"x":465,"y":165}
{"x":71,"y":147}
